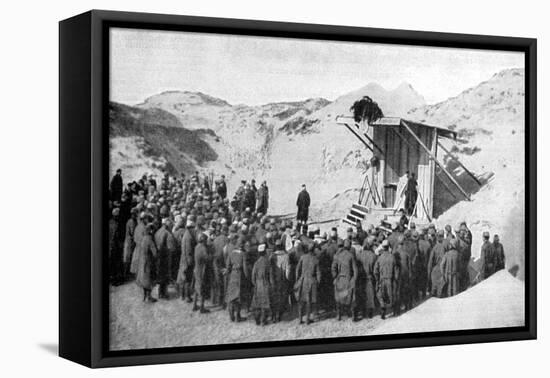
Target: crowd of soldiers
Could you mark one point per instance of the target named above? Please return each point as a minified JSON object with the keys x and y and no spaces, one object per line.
{"x":183,"y":232}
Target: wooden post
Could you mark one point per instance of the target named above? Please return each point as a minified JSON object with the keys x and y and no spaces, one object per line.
{"x":358,"y":136}
{"x":435,"y":160}
{"x":458,"y":161}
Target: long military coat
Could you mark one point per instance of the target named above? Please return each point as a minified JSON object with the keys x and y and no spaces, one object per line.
{"x":129,"y":243}
{"x":262,"y":282}
{"x":147,"y":253}
{"x":487,"y":258}
{"x":281,"y":272}
{"x":344,"y":271}
{"x":236,"y":270}
{"x":187,"y":259}
{"x":405,"y":278}
{"x":450,"y":269}
{"x":139,"y":232}
{"x":366,"y":283}
{"x":434,"y":270}
{"x":308,"y":277}
{"x":166,"y":246}
{"x":500,"y":260}
{"x":386,"y":273}
{"x":200,"y":271}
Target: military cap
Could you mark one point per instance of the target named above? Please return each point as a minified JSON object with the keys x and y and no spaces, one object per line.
{"x":486,"y":234}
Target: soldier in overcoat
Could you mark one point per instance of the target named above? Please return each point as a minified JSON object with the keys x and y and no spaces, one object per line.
{"x":147,"y":254}
{"x":450,"y":269}
{"x":344,"y":272}
{"x":236,"y":269}
{"x":200,"y":275}
{"x":435,"y":278}
{"x":366,"y":259}
{"x":262,"y":282}
{"x":281,"y":271}
{"x":187,"y":262}
{"x":308,"y":276}
{"x":386,"y":274}
{"x":166,"y":245}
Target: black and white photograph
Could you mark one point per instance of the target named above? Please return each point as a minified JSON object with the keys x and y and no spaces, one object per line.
{"x":269,"y":189}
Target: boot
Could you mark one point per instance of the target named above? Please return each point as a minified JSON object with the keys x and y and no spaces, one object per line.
{"x":195,"y":300}
{"x":202,"y":309}
{"x":231,"y":312}
{"x":383,"y":314}
{"x":264,"y":317}
{"x":308,"y":313}
{"x":338,"y":312}
{"x":150,"y":298}
{"x":300,"y":313}
{"x":238,"y":311}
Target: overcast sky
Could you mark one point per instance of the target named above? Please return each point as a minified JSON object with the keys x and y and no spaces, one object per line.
{"x":258,"y":70}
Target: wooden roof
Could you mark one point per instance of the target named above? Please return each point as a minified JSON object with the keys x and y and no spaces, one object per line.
{"x":397,"y":121}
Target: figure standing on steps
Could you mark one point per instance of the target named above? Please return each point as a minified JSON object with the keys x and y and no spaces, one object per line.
{"x":308,"y":276}
{"x":410,"y":193}
{"x":302,"y":203}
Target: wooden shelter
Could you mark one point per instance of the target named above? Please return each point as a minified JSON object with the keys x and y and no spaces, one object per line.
{"x":399,"y":146}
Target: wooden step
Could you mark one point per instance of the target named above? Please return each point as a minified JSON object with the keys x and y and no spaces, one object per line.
{"x":360,"y":208}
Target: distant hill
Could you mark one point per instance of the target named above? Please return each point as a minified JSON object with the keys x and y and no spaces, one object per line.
{"x":160,"y":142}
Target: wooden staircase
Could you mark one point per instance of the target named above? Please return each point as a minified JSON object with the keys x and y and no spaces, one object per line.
{"x":356,"y":213}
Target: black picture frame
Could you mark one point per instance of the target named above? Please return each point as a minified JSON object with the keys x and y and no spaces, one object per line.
{"x":83,"y":167}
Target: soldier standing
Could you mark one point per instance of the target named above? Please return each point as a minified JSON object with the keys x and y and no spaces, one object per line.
{"x":366,"y":260}
{"x":302,"y":203}
{"x":385,"y":273}
{"x":344,"y":272}
{"x":200,"y":274}
{"x":165,"y":248}
{"x":308,"y":277}
{"x":145,"y":274}
{"x":187,"y":262}
{"x":281,"y":273}
{"x":435,"y":279}
{"x":236,"y":271}
{"x":487,"y":257}
{"x":500,"y":259}
{"x":262,"y":282}
{"x":450,"y":266}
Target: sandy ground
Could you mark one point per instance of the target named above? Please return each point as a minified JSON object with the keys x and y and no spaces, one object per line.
{"x":496,"y":302}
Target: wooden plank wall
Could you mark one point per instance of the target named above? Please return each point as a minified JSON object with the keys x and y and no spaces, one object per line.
{"x":401,"y":157}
